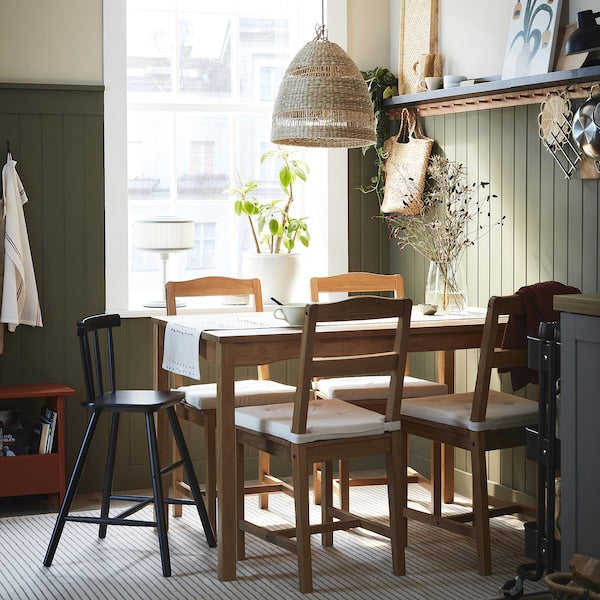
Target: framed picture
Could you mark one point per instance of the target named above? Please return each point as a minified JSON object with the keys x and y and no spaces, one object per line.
{"x":531,"y":38}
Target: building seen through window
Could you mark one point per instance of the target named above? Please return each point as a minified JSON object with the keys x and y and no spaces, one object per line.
{"x":201,"y":80}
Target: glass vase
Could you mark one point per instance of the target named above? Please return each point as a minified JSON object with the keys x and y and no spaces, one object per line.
{"x":445,"y":287}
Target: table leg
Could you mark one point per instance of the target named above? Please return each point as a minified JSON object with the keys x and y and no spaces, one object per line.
{"x":446,"y":375}
{"x":226,"y":463}
{"x":160,"y":381}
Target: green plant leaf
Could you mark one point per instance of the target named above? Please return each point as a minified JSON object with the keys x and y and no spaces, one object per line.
{"x":285,"y":177}
{"x":273,"y":226}
{"x":250,"y":208}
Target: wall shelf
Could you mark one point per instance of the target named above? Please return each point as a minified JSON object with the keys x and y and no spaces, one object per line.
{"x":496,"y":94}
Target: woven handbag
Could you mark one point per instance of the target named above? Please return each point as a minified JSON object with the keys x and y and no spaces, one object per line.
{"x":406,"y":167}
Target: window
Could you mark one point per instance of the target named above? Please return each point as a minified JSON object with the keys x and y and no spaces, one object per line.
{"x":190,"y":88}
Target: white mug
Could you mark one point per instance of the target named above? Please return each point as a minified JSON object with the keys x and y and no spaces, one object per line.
{"x":292,"y":313}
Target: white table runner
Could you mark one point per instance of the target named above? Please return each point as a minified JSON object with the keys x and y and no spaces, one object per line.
{"x":182,"y":338}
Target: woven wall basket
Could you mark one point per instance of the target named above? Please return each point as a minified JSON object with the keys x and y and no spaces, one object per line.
{"x":323,"y":101}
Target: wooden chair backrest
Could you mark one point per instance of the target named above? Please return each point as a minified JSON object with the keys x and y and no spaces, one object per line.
{"x":214,"y":286}
{"x":492,"y":356}
{"x":321,"y":360}
{"x":357,"y":282}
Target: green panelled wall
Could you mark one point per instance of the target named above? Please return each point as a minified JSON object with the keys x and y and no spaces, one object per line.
{"x":550,"y":233}
{"x":56,"y":136}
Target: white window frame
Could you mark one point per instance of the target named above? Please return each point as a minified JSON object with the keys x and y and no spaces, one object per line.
{"x":326,"y":201}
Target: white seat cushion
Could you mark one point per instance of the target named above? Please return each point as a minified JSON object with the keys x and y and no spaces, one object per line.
{"x":248,"y":392}
{"x":375,"y":387}
{"x":327,"y":419}
{"x":503,"y":411}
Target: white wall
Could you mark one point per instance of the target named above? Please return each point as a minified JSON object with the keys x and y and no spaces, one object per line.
{"x":60,"y":41}
{"x":51,"y":41}
{"x":368,"y":33}
{"x":472,"y":35}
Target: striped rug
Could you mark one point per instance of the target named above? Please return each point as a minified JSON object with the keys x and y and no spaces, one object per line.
{"x":126,"y":564}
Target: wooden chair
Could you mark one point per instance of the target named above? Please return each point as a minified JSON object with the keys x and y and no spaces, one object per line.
{"x":332,"y":429}
{"x":476,"y":421}
{"x":200,"y":401}
{"x":97,"y":354}
{"x":366,"y":391}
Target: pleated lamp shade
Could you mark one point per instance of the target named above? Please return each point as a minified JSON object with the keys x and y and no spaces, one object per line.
{"x":163,"y":234}
{"x":323,"y":101}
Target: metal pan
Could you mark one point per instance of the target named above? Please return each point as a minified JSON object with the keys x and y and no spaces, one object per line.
{"x":586,"y":126}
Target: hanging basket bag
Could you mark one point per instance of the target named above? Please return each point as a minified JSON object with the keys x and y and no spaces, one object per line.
{"x":406,"y":167}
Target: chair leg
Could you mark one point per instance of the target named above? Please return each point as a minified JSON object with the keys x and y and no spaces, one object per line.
{"x":344,"y":483}
{"x":436,"y":478}
{"x":210,"y":445}
{"x":71,"y":488}
{"x":109,"y":472}
{"x":397,"y":483}
{"x":300,"y":479}
{"x":264,"y":468}
{"x":176,"y":479}
{"x":240,"y":482}
{"x":326,"y":501}
{"x":191,"y":476}
{"x":481,"y":515}
{"x":402,"y":482}
{"x":159,"y":506}
{"x":317,"y":483}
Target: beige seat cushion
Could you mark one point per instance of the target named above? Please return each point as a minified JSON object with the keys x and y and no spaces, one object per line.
{"x":503,"y":411}
{"x":248,"y":392}
{"x":327,"y":419}
{"x":375,"y":387}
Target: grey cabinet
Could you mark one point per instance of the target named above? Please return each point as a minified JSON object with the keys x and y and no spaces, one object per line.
{"x":580,"y":425}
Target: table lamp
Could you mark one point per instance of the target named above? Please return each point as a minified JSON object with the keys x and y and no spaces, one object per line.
{"x":163,"y":235}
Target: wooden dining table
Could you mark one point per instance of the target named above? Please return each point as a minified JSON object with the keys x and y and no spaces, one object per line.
{"x":227,"y":349}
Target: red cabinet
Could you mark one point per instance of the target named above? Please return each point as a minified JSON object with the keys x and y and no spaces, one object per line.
{"x":35,"y":473}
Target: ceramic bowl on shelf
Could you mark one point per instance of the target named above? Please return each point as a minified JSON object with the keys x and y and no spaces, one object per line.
{"x":433,"y":83}
{"x":451,"y":81}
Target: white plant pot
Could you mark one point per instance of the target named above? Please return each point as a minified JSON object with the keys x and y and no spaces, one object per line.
{"x":277,"y":274}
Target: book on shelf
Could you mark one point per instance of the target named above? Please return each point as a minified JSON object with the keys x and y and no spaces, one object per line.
{"x":43,"y":433}
{"x":51,"y":417}
{"x":12,"y":433}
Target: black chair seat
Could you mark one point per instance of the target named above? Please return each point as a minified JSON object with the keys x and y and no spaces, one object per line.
{"x":97,"y":356}
{"x":135,"y":400}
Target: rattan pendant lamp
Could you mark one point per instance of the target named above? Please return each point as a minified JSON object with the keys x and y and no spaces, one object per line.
{"x":323,"y":100}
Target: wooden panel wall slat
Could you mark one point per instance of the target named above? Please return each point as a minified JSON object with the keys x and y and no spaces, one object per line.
{"x":56,"y":137}
{"x":551,"y":232}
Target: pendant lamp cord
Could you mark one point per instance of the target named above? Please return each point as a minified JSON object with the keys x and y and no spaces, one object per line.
{"x":321,"y":29}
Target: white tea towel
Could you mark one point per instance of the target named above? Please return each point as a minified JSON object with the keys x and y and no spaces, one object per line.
{"x":20,"y":303}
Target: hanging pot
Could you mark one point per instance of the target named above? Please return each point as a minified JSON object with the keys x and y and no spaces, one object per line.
{"x":586,"y":126}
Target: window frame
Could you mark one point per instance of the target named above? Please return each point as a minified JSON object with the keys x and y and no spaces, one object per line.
{"x":328,"y":183}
